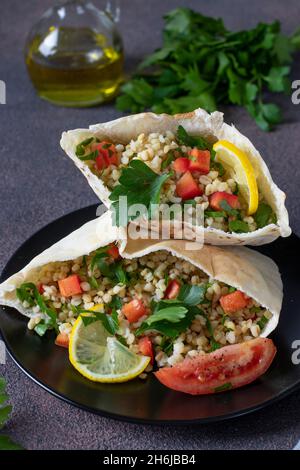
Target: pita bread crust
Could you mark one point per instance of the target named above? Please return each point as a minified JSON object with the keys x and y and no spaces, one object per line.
{"x":198,"y":122}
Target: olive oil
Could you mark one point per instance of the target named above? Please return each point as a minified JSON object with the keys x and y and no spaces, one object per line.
{"x":74,"y":66}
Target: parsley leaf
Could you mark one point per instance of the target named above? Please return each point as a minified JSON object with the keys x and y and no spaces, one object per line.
{"x":109,"y":321}
{"x":80,"y":148}
{"x":227,"y":208}
{"x":5,"y":410}
{"x":140,"y":185}
{"x":202,"y":63}
{"x":264,"y":215}
{"x":218,"y":167}
{"x":191,"y":141}
{"x":172,"y":317}
{"x":171,"y":314}
{"x":224,"y":387}
{"x":116,"y":303}
{"x":238,"y":226}
{"x":231,"y":289}
{"x":113,"y":271}
{"x":28,"y":292}
{"x":91,"y":156}
{"x":215,"y":214}
{"x":170,"y":158}
{"x":93,"y":282}
{"x":191,"y":295}
{"x":262,"y":322}
{"x":166,"y":345}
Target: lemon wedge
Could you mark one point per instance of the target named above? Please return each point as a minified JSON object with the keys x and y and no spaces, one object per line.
{"x":239,"y":167}
{"x":100,"y":357}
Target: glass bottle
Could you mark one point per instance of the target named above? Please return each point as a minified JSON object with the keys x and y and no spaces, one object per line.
{"x":74,"y":54}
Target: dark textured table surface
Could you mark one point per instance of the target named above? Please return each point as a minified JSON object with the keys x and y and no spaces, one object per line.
{"x":38,"y":184}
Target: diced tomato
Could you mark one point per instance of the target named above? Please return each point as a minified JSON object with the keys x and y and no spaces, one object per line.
{"x":228,"y":367}
{"x":107,"y":154}
{"x":199,"y":160}
{"x":181,"y":165}
{"x":187,"y":188}
{"x":146,"y":348}
{"x":40,"y":288}
{"x":62,"y":340}
{"x":70,"y":286}
{"x":172,"y":289}
{"x":218,"y":196}
{"x":233,"y":302}
{"x":113,"y":251}
{"x":134,"y":310}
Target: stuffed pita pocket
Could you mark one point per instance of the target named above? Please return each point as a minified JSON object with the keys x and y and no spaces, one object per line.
{"x":151,"y":298}
{"x":193,"y":159}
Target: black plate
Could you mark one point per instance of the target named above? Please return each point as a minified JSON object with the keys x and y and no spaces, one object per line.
{"x":150,"y":401}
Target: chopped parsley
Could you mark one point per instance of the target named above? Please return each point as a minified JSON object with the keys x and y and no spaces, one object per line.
{"x":262,"y":322}
{"x":238,"y":226}
{"x":28,"y":292}
{"x":192,"y":141}
{"x":264,"y":215}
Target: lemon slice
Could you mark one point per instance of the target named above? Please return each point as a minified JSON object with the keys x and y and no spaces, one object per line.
{"x":101,"y":357}
{"x":239,"y":167}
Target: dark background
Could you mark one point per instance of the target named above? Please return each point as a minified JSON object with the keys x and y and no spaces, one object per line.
{"x":38,"y":184}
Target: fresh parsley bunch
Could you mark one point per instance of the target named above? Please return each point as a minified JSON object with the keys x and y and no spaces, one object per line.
{"x":202,"y":64}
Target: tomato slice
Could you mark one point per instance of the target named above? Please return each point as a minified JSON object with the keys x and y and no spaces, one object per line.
{"x":134,"y":310}
{"x":172,"y":289}
{"x":62,"y":340}
{"x":181,"y":164}
{"x":199,"y":160}
{"x":70,"y":286}
{"x":107,"y":154}
{"x":228,"y":367}
{"x":218,"y":196}
{"x":113,"y":251}
{"x":146,"y":348}
{"x":233,"y":302}
{"x":187,"y":188}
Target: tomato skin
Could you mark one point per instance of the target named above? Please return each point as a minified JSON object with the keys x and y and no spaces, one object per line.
{"x":40,"y":288}
{"x":218,"y":196}
{"x":237,"y":365}
{"x":233,"y":302}
{"x":107,"y":154}
{"x":62,"y":340}
{"x":134,"y":310}
{"x":181,"y":164}
{"x":113,"y":251}
{"x":146,"y":348}
{"x":187,"y":188}
{"x":199,"y":160}
{"x":172,"y":289}
{"x":70,"y":286}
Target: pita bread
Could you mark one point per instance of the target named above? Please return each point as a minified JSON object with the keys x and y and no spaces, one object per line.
{"x":251,"y":272}
{"x":91,"y":236}
{"x":198,"y":122}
